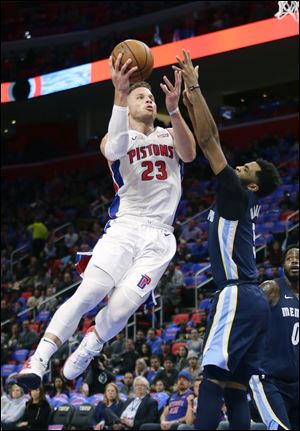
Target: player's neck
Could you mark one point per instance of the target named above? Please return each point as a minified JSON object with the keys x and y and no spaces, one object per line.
{"x":139,"y":126}
{"x":293,"y":285}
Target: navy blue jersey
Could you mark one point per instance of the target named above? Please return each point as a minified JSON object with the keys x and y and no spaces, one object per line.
{"x":281,"y":359}
{"x":232,"y":231}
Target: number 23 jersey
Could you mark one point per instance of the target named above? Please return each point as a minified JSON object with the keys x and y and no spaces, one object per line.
{"x":147,"y":180}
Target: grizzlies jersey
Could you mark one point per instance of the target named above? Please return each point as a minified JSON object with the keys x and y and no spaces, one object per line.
{"x":281,"y":358}
{"x":147,"y":180}
{"x":232,"y":241}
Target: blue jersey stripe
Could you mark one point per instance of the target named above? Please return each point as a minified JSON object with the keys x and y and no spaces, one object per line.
{"x":267,"y":414}
{"x":115,"y":167}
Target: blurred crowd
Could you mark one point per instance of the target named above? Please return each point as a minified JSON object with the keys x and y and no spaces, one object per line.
{"x":22,"y":20}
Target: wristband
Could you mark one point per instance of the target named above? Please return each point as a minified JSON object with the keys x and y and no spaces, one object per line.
{"x":174,"y":112}
{"x":193,"y":87}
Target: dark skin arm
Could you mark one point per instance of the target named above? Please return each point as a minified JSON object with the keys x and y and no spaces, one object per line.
{"x":271,"y":289}
{"x":205,"y":128}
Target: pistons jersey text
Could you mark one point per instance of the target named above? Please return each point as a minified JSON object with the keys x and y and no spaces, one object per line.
{"x":147,"y":180}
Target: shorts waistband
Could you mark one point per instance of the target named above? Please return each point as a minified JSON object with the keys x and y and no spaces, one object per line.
{"x":145,"y":221}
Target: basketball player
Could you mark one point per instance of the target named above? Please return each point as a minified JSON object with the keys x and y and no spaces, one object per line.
{"x":276,"y":392}
{"x":240,"y":312}
{"x":138,"y":243}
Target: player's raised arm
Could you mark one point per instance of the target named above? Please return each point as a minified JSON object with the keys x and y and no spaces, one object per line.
{"x":183,"y":137}
{"x":115,"y":144}
{"x":205,"y":129}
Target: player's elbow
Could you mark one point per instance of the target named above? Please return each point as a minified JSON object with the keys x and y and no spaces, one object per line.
{"x":190,"y":156}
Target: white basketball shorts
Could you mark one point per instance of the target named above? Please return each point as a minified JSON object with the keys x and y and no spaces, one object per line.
{"x":135,"y":252}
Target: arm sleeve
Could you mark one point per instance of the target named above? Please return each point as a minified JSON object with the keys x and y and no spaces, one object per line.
{"x":231,"y":197}
{"x":118,"y":136}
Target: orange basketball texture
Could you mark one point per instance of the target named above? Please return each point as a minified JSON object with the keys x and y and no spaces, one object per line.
{"x":140,"y":55}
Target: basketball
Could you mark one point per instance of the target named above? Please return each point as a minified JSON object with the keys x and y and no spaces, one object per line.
{"x":140,"y":55}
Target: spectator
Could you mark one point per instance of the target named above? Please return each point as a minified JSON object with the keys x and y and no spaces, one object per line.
{"x":262,"y":275}
{"x":6,"y":311}
{"x":140,"y":340}
{"x":191,"y":232}
{"x":127,"y":388}
{"x":71,"y":237}
{"x":168,"y":374}
{"x":166,"y":351}
{"x":116,"y":348}
{"x":193,"y":368}
{"x":51,"y":304}
{"x":176,"y":412}
{"x":128,"y":358}
{"x":155,"y":367}
{"x":141,"y":368}
{"x":170,"y":287}
{"x":183,"y":253}
{"x":160,"y":395}
{"x":27,"y":337}
{"x":58,"y":387}
{"x":192,"y":408}
{"x":154,"y":341}
{"x":146,"y":353}
{"x":39,"y":235}
{"x":14,"y":409}
{"x":98,"y":375}
{"x":4,"y":397}
{"x":13,"y":341}
{"x":195,"y":342}
{"x":138,"y":410}
{"x":181,"y":361}
{"x":275,"y":254}
{"x":50,"y":249}
{"x":35,"y":300}
{"x":37,"y":411}
{"x":106,"y":410}
{"x":199,"y":251}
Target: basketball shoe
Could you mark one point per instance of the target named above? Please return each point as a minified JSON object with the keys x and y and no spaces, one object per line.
{"x":31,"y":375}
{"x":80,"y":359}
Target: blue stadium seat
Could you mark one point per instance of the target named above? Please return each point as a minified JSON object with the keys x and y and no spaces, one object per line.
{"x":189,"y":280}
{"x":7,"y":369}
{"x":95,"y":399}
{"x":21,"y":355}
{"x":43,"y":316}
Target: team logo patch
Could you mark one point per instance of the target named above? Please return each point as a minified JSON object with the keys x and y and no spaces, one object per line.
{"x":144,"y":281}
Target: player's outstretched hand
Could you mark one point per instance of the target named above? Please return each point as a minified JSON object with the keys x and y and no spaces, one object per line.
{"x":190,"y":73}
{"x":120,"y":75}
{"x":171,"y":91}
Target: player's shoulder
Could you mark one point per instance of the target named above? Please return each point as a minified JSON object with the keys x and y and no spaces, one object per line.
{"x":272,"y":290}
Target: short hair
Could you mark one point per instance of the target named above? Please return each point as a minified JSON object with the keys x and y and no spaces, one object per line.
{"x":268,"y":178}
{"x":155,"y":357}
{"x":138,"y":85}
{"x":287,"y":250}
{"x":143,"y":380}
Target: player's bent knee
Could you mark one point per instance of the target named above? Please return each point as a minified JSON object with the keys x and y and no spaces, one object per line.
{"x":236,"y":385}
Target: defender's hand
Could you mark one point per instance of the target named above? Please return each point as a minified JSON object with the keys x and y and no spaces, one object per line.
{"x":171,"y":91}
{"x":120,"y":75}
{"x":189,"y":72}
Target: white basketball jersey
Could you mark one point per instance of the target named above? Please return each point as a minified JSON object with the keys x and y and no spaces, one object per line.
{"x":147,"y":180}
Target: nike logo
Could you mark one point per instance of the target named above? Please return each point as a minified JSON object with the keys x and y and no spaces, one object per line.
{"x":288,"y":297}
{"x":134,"y":138}
{"x":167,"y":234}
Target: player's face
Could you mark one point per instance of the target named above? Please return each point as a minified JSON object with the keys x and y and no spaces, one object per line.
{"x":248,"y":175}
{"x":142,"y":105}
{"x":291,"y":264}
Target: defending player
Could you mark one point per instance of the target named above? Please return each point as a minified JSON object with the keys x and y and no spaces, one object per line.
{"x":276,"y":392}
{"x":138,"y":243}
{"x":236,"y":332}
